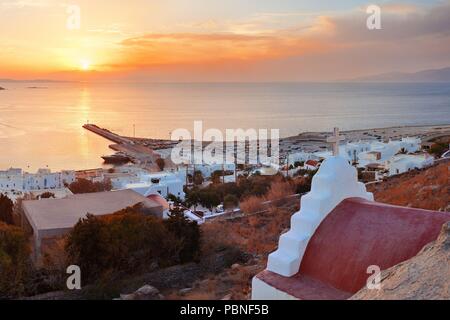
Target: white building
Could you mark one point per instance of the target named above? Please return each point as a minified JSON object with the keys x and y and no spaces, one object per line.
{"x":146,"y":183}
{"x":300,"y":157}
{"x":19,"y":181}
{"x":405,"y":162}
{"x":208,"y":170}
{"x":364,"y":151}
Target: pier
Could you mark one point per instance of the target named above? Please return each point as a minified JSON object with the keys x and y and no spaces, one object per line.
{"x":137,"y":153}
{"x":105,"y":133}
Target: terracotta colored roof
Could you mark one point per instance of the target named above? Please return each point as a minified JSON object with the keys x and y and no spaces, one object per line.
{"x":303,"y":287}
{"x":313,"y":163}
{"x":354,"y":236}
{"x":159,"y":199}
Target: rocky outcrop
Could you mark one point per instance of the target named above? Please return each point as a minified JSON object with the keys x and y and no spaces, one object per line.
{"x":145,"y":293}
{"x":423,"y":277}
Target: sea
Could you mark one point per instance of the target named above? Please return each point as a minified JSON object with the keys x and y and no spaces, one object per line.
{"x":41,"y":123}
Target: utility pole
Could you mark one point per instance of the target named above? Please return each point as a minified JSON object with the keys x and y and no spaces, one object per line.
{"x":287,"y":165}
{"x":134,"y":131}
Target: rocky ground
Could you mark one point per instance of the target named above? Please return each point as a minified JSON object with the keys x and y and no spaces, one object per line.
{"x":424,"y":277}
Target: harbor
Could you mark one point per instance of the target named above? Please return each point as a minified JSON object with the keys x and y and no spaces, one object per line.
{"x":128,"y":149}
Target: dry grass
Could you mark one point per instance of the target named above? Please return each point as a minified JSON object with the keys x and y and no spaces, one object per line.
{"x":279,"y":190}
{"x":424,"y":189}
{"x":252,"y":204}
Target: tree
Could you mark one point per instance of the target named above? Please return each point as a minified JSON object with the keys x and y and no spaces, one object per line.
{"x":87,"y":246}
{"x":47,"y":195}
{"x":299,"y":164}
{"x":14,"y":261}
{"x":87,"y":186}
{"x":438,"y":149}
{"x":193,"y":198}
{"x":198,"y":178}
{"x":6,"y":209}
{"x":125,"y":241}
{"x":209,"y":199}
{"x":161,"y":163}
{"x":230,"y":201}
{"x":188,"y":232}
{"x":176,"y":200}
{"x":216,"y":177}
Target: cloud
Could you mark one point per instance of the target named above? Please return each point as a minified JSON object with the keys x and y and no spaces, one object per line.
{"x":185,"y":48}
{"x":325,"y":36}
{"x":399,"y":23}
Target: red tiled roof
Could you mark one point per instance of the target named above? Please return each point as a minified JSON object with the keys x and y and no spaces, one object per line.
{"x":313,"y":163}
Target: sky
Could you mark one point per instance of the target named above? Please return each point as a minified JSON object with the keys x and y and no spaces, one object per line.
{"x":212,"y":40}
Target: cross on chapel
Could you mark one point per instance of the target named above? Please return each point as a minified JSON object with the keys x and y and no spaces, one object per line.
{"x":334,"y":140}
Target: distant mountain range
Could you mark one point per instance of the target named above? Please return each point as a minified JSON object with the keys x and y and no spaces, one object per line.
{"x":432,"y":75}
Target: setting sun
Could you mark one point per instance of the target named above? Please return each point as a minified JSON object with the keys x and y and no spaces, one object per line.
{"x":85,"y":65}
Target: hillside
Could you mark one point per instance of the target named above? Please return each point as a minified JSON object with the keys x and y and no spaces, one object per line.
{"x":426,"y":189}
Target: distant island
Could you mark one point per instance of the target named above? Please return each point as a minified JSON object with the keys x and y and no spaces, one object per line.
{"x":434,"y":75}
{"x":35,"y":81}
{"x":2,"y":88}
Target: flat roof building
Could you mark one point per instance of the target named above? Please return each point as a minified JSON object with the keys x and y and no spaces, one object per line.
{"x":50,"y":218}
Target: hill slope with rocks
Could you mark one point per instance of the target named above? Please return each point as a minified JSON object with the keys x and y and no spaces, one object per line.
{"x":424,"y":277}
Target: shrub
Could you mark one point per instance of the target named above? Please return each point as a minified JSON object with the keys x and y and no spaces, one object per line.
{"x":279,"y":190}
{"x":47,"y":195}
{"x":87,"y":186}
{"x":188,"y":234}
{"x":252,"y":204}
{"x":161,"y":163}
{"x":6,"y":210}
{"x":230,"y":201}
{"x":14,"y":261}
{"x":129,"y":241}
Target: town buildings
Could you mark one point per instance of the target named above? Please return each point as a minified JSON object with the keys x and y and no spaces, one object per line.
{"x":16,"y":180}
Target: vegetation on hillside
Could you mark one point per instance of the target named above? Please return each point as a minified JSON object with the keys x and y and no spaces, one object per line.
{"x":6,"y":210}
{"x":245,"y":188}
{"x":87,"y":186}
{"x":425,"y":188}
{"x":14,"y":261}
{"x":128,"y":241}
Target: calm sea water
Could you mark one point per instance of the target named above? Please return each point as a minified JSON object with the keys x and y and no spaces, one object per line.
{"x":42,"y":127}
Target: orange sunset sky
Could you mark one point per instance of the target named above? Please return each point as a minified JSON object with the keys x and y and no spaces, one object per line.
{"x":211,"y":40}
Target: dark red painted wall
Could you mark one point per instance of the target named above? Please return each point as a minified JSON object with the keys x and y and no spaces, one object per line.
{"x":359,"y":233}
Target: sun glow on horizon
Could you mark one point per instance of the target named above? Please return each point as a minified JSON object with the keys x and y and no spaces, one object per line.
{"x":85,"y":65}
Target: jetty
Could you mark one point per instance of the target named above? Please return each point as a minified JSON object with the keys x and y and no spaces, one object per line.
{"x":136,"y":152}
{"x":105,"y":133}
